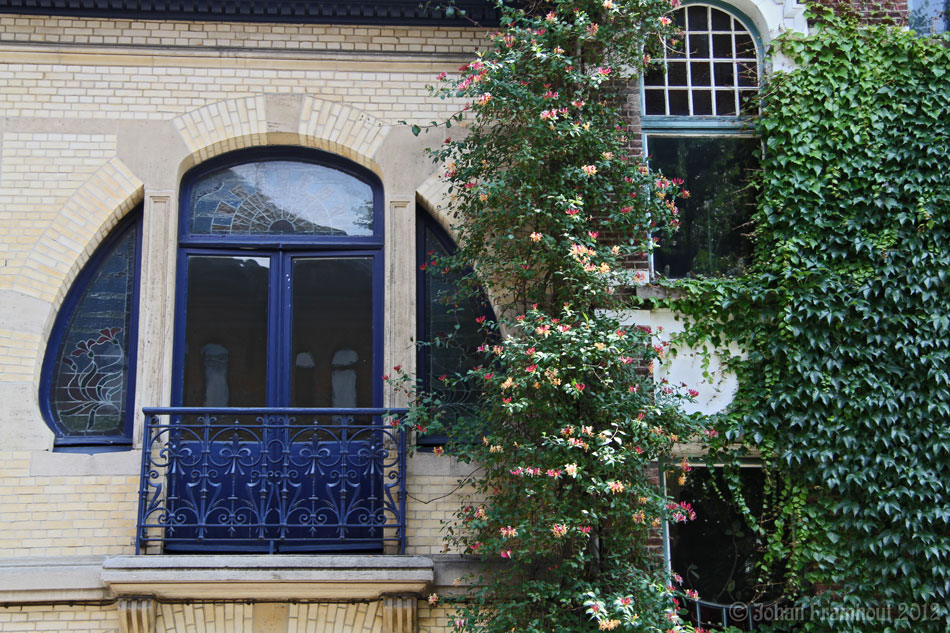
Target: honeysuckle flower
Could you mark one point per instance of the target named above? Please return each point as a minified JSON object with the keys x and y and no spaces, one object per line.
{"x":665,"y":20}
{"x":641,"y":277}
{"x":551,"y":16}
{"x":571,"y":470}
{"x":603,"y":71}
{"x":438,"y":450}
{"x":608,"y":4}
{"x":531,"y":369}
{"x":600,"y":346}
{"x":558,"y":530}
{"x":508,"y":384}
{"x":567,"y":431}
{"x":496,"y":448}
{"x":550,"y":94}
{"x":580,"y":386}
{"x":572,"y":211}
{"x":508,"y":531}
{"x":693,"y":393}
{"x":433,"y":599}
{"x":590,"y":170}
{"x":536,"y":237}
{"x":608,"y":155}
{"x":517,"y":472}
{"x":480,"y":319}
{"x":489,"y":376}
{"x":711,"y":433}
{"x":480,"y":512}
{"x":615,"y":487}
{"x":585,"y":529}
{"x":558,"y":50}
{"x":484,"y":98}
{"x":548,"y":115}
{"x":459,"y":623}
{"x":609,"y":625}
{"x":577,"y":103}
{"x":639,"y":517}
{"x":626,"y":601}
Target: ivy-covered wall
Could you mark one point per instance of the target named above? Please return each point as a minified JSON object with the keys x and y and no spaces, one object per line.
{"x":845,"y":320}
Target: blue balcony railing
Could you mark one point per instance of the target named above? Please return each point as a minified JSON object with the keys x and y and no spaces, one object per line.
{"x":272,"y":480}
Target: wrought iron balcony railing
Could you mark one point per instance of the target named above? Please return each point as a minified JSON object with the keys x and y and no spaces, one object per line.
{"x":272,"y":480}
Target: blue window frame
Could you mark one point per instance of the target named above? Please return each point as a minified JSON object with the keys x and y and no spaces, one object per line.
{"x":697,"y":125}
{"x":280,"y":282}
{"x":447,"y":326}
{"x":88,"y":377}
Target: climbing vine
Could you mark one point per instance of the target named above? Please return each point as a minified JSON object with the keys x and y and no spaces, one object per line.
{"x":845,"y":327}
{"x":549,"y":208}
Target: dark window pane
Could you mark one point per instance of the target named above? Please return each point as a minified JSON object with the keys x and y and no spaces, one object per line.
{"x":725,"y":74}
{"x":712,"y":238}
{"x":717,"y":553}
{"x":451,"y":333}
{"x":654,"y":76}
{"x":745,"y":48}
{"x":725,"y":103}
{"x":721,"y":21}
{"x":679,"y":18}
{"x":332,"y":332}
{"x":89,"y":387}
{"x":722,"y":46}
{"x":677,"y":74}
{"x":226,"y":331}
{"x":679,"y":102}
{"x":702,"y":102}
{"x":748,"y":74}
{"x":698,"y":18}
{"x":699,"y":46}
{"x":655,"y":101}
{"x":748,"y":101}
{"x":700,"y":74}
{"x":281,"y":197}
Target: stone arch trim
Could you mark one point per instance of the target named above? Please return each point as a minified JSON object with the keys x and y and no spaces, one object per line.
{"x":433,"y":195}
{"x":261,"y":120}
{"x":79,"y":227}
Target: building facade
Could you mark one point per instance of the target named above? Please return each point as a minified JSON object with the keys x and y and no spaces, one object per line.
{"x":211,"y":222}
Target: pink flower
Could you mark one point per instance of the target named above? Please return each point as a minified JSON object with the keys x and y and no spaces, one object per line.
{"x":506,"y":553}
{"x":665,"y":20}
{"x":585,"y":529}
{"x":548,"y":114}
{"x":590,"y":170}
{"x":577,"y":103}
{"x":459,"y":623}
{"x":558,"y":530}
{"x":580,"y":386}
{"x":572,"y":211}
{"x":711,"y":433}
{"x":550,"y":94}
{"x":531,"y":369}
{"x":480,"y":319}
{"x":603,"y":71}
{"x":440,"y":77}
{"x":554,"y":474}
{"x":551,"y":16}
{"x":692,"y":594}
{"x":626,"y":601}
{"x":693,"y":393}
{"x":517,"y":472}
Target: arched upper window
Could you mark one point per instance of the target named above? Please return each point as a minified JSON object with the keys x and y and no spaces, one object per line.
{"x":713,"y":70}
{"x":697,"y":106}
{"x":280,"y":282}
{"x":88,"y":373}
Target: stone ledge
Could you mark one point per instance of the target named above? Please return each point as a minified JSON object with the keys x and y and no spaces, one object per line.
{"x":345,"y":577}
{"x":26,"y":580}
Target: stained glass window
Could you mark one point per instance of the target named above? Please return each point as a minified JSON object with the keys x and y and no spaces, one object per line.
{"x":88,"y":368}
{"x":448,"y":327}
{"x":281,"y":198}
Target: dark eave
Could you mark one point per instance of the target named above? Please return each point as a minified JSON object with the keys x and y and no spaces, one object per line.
{"x":381,"y":12}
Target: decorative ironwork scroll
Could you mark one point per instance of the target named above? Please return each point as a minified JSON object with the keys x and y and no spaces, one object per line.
{"x":272,"y":480}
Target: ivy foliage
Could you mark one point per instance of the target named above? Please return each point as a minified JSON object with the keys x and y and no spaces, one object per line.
{"x":548,"y":206}
{"x":845,"y":321}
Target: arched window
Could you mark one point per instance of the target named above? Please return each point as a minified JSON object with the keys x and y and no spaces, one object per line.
{"x":696,"y":121}
{"x":280,"y":283}
{"x":447,"y":326}
{"x":88,"y":373}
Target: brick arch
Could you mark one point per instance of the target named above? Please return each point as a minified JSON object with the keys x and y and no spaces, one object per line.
{"x":262,"y":120}
{"x":76,"y":231}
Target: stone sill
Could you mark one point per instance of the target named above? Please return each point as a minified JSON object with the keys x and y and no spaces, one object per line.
{"x":26,"y":580}
{"x":344,"y":577}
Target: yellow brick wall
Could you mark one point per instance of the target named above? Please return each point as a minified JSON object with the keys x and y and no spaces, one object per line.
{"x":218,"y":617}
{"x":64,"y":516}
{"x":59,"y":619}
{"x":67,"y":88}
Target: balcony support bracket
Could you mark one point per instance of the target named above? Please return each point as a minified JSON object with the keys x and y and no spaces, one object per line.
{"x":136,"y":615}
